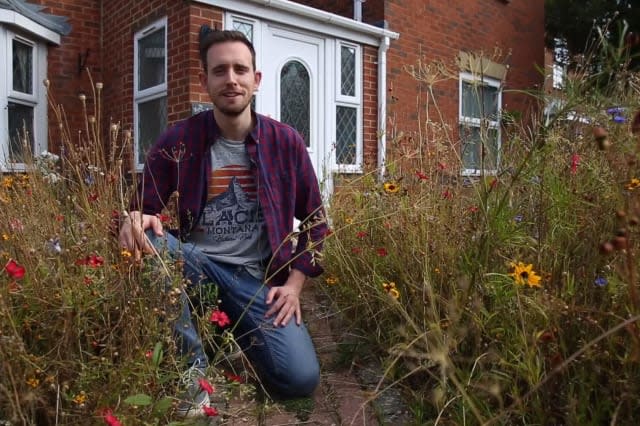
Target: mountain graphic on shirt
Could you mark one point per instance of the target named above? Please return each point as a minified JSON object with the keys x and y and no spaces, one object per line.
{"x":234,"y":195}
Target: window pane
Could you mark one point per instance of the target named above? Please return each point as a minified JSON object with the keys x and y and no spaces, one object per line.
{"x":22,"y":67}
{"x":348,"y":71}
{"x":20,"y":121}
{"x":245,"y":28}
{"x":346,"y":135}
{"x":478,"y":146}
{"x":295,"y":94}
{"x":475,"y":95}
{"x":151,"y":59}
{"x":152,"y":121}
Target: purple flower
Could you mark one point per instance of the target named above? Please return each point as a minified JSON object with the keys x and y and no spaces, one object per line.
{"x":518,"y":218}
{"x":600,"y":281}
{"x":615,"y":110}
{"x":619,"y":119}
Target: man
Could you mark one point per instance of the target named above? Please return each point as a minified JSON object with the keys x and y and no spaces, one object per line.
{"x":240,"y":179}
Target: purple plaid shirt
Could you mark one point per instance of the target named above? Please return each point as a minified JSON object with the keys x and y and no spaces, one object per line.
{"x":287,"y":185}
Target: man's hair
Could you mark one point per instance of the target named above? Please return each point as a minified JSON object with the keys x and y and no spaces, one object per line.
{"x":209,"y":37}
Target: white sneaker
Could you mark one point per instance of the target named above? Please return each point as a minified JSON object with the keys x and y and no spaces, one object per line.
{"x":195,"y":397}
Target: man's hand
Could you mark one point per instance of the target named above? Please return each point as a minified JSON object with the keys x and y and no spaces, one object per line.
{"x":285,"y":300}
{"x":132,"y":235}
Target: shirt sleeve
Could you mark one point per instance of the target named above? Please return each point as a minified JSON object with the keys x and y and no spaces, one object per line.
{"x":310,"y":211}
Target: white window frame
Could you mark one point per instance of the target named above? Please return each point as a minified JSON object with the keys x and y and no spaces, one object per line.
{"x":37,"y":99}
{"x":466,"y":77}
{"x":150,"y":93}
{"x":354,"y":101}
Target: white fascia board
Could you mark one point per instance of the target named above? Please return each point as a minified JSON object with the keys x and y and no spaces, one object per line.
{"x":280,"y":11}
{"x":15,"y":19}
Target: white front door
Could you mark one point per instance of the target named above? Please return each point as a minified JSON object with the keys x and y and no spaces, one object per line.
{"x":292,"y":88}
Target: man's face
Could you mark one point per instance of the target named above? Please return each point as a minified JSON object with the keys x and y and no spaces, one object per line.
{"x":230,"y":79}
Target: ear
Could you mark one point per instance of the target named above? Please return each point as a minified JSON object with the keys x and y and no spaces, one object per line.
{"x":258,"y":79}
{"x":203,"y":80}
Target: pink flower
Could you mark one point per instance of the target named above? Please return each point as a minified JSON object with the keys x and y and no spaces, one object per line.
{"x":575,"y":162}
{"x":441,"y":166}
{"x":110,"y":419}
{"x":219,"y":318}
{"x":205,"y":385}
{"x":210,"y":411}
{"x":14,"y":270}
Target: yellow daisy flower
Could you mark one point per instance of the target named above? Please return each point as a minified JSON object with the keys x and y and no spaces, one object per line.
{"x":331,"y":280}
{"x":525,"y":275}
{"x":33,"y":382}
{"x":391,"y":187}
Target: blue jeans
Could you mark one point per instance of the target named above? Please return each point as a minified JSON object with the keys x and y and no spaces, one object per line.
{"x":284,"y":357}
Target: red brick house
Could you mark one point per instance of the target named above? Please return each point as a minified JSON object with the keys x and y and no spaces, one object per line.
{"x":331,"y":68}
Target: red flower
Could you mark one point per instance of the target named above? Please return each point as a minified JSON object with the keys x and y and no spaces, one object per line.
{"x":210,"y":411}
{"x":381,"y":251}
{"x":93,"y":261}
{"x":233,"y":377}
{"x":110,"y":419}
{"x":473,"y":209}
{"x":421,"y":175}
{"x":205,"y":386}
{"x":328,"y":233}
{"x":93,"y":196}
{"x":14,"y":270}
{"x":88,"y":280}
{"x":441,"y":166}
{"x":164,"y":218}
{"x":219,"y":318}
{"x":575,"y":162}
{"x":361,"y":234}
{"x":447,"y":195}
{"x":356,"y":250}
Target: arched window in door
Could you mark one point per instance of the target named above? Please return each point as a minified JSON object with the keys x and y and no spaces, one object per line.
{"x":295,"y":98}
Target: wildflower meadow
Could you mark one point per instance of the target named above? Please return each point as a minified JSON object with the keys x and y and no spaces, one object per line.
{"x":508,"y":297}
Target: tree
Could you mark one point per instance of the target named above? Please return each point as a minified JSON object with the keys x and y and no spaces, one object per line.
{"x":575,"y":22}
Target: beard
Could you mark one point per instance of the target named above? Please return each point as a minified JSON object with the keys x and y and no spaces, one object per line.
{"x":233,"y":110}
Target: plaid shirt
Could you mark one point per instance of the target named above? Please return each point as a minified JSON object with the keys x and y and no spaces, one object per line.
{"x":287,"y":186}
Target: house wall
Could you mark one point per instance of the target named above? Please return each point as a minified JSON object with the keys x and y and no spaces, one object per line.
{"x":440,"y":29}
{"x":81,"y":45}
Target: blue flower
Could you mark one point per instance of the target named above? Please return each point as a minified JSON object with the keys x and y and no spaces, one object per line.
{"x":615,"y":110}
{"x":600,"y":281}
{"x":619,"y":119}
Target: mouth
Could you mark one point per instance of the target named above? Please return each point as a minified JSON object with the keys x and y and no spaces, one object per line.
{"x":231,"y":94}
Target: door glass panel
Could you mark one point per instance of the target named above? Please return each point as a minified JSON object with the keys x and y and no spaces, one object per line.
{"x":348,"y":71}
{"x":22,"y":67}
{"x":245,"y":28}
{"x":151,"y":59}
{"x":295,"y":98}
{"x":346,"y":134}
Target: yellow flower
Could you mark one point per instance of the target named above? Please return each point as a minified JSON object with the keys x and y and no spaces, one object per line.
{"x":391,"y":187}
{"x":80,"y":398}
{"x":348,"y":220}
{"x":125,"y":253}
{"x":331,"y":280}
{"x":524,"y":274}
{"x":7,"y":182}
{"x":5,"y":237}
{"x":633,"y":184}
{"x":33,"y":382}
{"x":394,"y":293}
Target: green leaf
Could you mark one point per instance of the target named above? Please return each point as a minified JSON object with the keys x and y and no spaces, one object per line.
{"x":158,"y":353}
{"x":162,"y":406}
{"x":140,"y":399}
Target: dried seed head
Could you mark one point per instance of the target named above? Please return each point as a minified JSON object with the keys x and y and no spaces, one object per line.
{"x":99,"y":85}
{"x":82,"y":97}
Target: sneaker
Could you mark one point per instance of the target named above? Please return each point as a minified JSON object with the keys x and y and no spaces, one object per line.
{"x":195,"y":396}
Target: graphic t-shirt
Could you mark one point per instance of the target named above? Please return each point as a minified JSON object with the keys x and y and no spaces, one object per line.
{"x":232,"y":227}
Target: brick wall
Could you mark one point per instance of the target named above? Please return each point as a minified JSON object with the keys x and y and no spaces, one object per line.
{"x":439,"y":29}
{"x":82,"y":44}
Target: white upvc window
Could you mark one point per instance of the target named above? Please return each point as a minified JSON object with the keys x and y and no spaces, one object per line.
{"x":23,"y":121}
{"x":149,"y":87}
{"x":479,"y":124}
{"x":348,"y":115}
